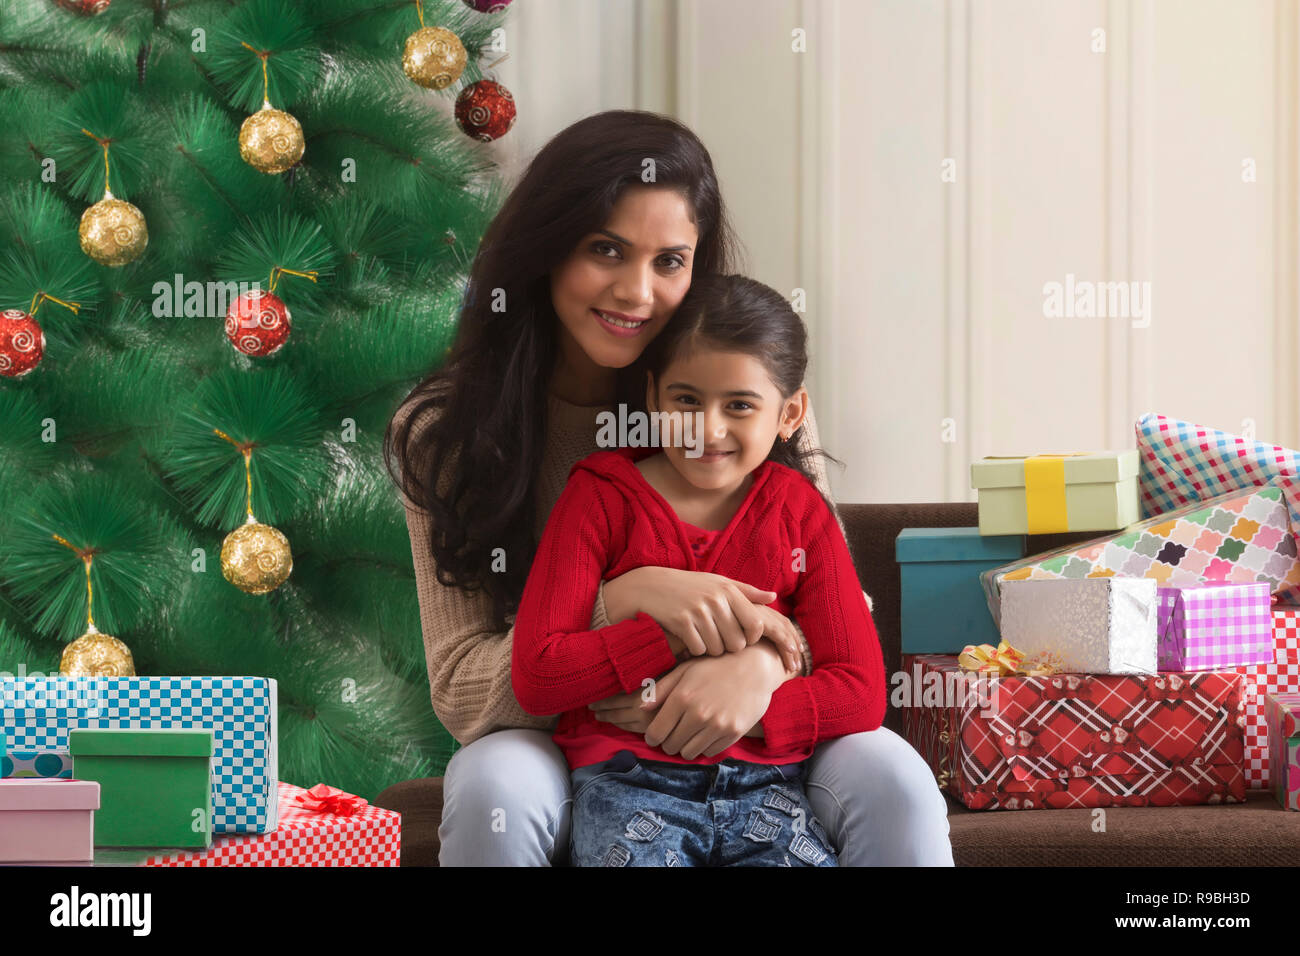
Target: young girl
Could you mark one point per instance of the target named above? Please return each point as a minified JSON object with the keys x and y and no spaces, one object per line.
{"x":746,"y":508}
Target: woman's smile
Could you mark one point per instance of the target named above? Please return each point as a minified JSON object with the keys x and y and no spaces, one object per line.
{"x":617,"y":323}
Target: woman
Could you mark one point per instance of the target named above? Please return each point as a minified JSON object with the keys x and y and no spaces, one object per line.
{"x":582,"y":267}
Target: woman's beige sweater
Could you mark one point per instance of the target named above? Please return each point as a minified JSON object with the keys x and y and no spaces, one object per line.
{"x":469,"y":663}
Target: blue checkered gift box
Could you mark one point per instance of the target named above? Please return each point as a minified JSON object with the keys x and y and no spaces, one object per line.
{"x":36,"y":713}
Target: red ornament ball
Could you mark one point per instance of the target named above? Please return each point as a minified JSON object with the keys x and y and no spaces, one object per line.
{"x":22,"y":343}
{"x":88,"y":7}
{"x":485,"y":110}
{"x":487,"y":6}
{"x":257,"y":323}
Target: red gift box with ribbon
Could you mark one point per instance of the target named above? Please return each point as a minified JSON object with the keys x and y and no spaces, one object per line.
{"x":322,"y":826}
{"x":1078,"y":740}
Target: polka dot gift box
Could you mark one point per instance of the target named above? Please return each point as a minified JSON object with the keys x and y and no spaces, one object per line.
{"x":36,"y":763}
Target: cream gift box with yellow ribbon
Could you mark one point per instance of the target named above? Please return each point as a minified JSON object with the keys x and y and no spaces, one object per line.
{"x":1046,"y":494}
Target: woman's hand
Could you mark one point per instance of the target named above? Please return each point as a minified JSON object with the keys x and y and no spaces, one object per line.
{"x":706,"y":613}
{"x":702,"y":706}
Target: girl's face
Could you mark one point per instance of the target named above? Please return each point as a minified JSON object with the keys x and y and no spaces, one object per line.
{"x":742,"y":414}
{"x":635,"y":270}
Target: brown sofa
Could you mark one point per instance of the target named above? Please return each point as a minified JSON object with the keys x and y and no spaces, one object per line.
{"x":1255,"y":833}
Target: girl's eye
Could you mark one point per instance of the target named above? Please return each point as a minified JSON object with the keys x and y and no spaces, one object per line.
{"x":746,"y":405}
{"x":673,"y":263}
{"x":599,"y":247}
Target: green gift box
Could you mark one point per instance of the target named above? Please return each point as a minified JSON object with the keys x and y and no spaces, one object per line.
{"x":1048,"y":494}
{"x":155,"y":788}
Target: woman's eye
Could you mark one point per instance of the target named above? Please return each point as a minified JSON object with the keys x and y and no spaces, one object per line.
{"x":599,"y":247}
{"x":673,"y":263}
{"x":744,"y":405}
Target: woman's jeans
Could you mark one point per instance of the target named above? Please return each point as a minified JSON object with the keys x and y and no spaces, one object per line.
{"x":506,"y":802}
{"x":629,"y":811}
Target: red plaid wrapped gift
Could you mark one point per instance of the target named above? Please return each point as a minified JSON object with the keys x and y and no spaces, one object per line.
{"x":318,"y":827}
{"x":1078,"y":740}
{"x":1281,"y":675}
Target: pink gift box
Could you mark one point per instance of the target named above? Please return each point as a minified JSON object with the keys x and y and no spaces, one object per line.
{"x":1213,"y":627}
{"x":47,"y":820}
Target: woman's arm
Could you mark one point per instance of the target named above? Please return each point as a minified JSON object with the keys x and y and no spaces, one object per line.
{"x":468,"y":662}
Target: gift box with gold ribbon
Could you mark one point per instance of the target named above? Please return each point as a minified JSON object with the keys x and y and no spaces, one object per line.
{"x":1046,"y":494}
{"x":1061,"y":740}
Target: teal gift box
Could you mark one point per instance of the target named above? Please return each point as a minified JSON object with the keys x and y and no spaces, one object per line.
{"x":943,"y":606}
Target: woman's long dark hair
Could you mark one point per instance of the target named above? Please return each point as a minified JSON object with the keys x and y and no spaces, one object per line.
{"x":491,"y":393}
{"x":732,"y":313}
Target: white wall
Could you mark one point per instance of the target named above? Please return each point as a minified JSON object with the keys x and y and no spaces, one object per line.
{"x":925,"y":297}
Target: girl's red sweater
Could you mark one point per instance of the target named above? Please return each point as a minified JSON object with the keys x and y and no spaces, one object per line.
{"x":782,"y":538}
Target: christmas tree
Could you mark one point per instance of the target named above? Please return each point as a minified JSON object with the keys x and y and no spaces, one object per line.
{"x":232,"y":237}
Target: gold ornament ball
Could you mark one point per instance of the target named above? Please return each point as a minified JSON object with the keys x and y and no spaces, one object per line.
{"x":271,"y":140}
{"x":113,"y":232}
{"x":96,"y":655}
{"x":434,"y":57}
{"x":256,"y":558}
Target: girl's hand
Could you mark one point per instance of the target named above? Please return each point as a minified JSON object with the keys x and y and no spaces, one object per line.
{"x":708,"y":613}
{"x":702,"y":706}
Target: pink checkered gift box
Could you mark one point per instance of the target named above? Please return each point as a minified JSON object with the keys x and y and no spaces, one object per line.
{"x":1213,"y":627}
{"x":343,"y":830}
{"x":1280,"y":675}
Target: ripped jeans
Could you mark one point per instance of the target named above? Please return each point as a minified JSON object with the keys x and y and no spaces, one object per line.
{"x":634,"y":812}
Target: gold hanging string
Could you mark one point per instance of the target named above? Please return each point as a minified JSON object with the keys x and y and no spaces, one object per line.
{"x":495,"y":62}
{"x":87,"y":556}
{"x":39,"y":298}
{"x":247,"y":449}
{"x":104,"y":143}
{"x":419,"y":9}
{"x":266,"y":83}
{"x":277,"y":271}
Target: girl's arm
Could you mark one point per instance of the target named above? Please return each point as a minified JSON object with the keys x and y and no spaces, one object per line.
{"x":846,"y":692}
{"x":559,"y":662}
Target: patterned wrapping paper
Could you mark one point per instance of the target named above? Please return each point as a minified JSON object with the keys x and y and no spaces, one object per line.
{"x":38,"y":712}
{"x":1090,"y":626}
{"x":1240,"y":537}
{"x":1182,"y":463}
{"x":1280,"y":675}
{"x":370,"y":837}
{"x":1078,"y":740}
{"x":36,"y":763}
{"x":1283,"y":714}
{"x":1214,"y":627}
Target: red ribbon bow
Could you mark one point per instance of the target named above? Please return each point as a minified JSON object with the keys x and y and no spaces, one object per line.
{"x":325,"y":799}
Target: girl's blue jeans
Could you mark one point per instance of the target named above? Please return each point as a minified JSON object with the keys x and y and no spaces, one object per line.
{"x":507,"y":799}
{"x":629,"y":811}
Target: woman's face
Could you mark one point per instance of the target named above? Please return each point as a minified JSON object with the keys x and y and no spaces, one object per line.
{"x":634,"y":270}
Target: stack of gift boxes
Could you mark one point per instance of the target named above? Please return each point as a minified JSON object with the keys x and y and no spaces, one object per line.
{"x":1158,"y":665}
{"x":186,"y":764}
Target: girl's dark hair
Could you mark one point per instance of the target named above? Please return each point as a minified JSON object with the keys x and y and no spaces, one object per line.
{"x":732,"y":313}
{"x":491,"y":393}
